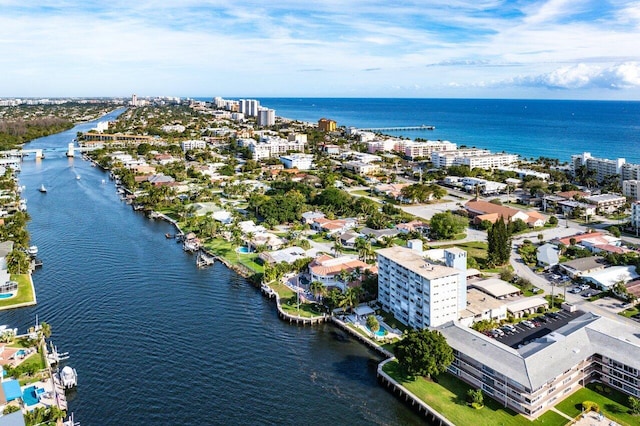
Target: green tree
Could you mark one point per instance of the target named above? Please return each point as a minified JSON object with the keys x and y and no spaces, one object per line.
{"x":372,"y":323}
{"x":351,"y":298}
{"x":317,"y":289}
{"x":475,"y":398}
{"x":423,"y":353}
{"x":499,"y":244}
{"x":634,"y":405}
{"x":446,"y":225}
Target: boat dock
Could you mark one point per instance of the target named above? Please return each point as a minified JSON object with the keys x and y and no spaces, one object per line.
{"x":400,"y":128}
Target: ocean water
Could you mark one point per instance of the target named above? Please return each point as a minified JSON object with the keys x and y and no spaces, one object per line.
{"x":530,"y":128}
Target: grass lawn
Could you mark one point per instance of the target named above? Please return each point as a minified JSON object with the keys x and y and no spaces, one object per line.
{"x":25,"y":291}
{"x":631,"y":311}
{"x":390,"y":320}
{"x":283,"y":291}
{"x":475,"y":249}
{"x":227,"y":250}
{"x":449,"y":395}
{"x":21,"y":343}
{"x":612,"y":405}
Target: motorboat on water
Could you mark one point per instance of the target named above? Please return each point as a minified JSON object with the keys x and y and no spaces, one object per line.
{"x":68,"y":377}
{"x":42,"y":189}
{"x":32,"y":250}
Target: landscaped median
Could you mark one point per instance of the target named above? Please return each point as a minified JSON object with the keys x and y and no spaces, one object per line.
{"x":448,"y":396}
{"x":26,"y":294}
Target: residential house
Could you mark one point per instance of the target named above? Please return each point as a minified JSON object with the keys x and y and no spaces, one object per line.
{"x":483,"y":210}
{"x":333,"y":226}
{"x":327,"y":269}
{"x":547,"y":255}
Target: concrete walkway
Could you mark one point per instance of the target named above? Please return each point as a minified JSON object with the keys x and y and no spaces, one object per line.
{"x":555,"y":410}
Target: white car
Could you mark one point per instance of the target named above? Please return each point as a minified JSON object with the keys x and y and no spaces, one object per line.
{"x":585,"y":287}
{"x":528,"y":324}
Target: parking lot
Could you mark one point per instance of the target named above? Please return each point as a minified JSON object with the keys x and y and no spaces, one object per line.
{"x":546,"y":324}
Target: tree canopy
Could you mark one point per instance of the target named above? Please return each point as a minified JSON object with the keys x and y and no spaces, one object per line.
{"x":423,"y":353}
{"x":446,"y":225}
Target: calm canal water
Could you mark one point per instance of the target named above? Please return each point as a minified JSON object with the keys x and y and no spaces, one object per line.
{"x":156,"y":341}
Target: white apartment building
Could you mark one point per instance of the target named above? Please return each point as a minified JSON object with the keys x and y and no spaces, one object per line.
{"x":630,"y":171}
{"x":384,"y":145}
{"x":270,"y":146}
{"x":539,"y":374}
{"x":481,"y":158}
{"x":634,"y":220}
{"x":192,"y":144}
{"x":412,"y":149}
{"x":443,"y":159}
{"x":418,"y":292}
{"x":361,"y":168}
{"x":526,"y":172}
{"x":297,"y":137}
{"x":249,"y":107}
{"x":297,"y":161}
{"x":602,"y":166}
{"x":266,"y":117}
{"x":631,"y":189}
{"x":606,"y":203}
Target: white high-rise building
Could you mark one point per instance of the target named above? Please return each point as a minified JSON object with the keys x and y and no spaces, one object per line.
{"x":635,"y":216}
{"x":266,"y":117}
{"x":419,"y":292}
{"x":134,"y":100}
{"x":603,"y":167}
{"x":249,"y":107}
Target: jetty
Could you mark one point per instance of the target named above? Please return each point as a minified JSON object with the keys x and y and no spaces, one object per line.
{"x":399,"y":128}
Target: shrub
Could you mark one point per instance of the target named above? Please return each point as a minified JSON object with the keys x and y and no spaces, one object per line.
{"x":590,"y":406}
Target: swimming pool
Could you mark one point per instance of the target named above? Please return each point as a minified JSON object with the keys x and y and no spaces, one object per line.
{"x":6,"y":295}
{"x":380,"y":333}
{"x":21,"y":352}
{"x":29,"y":395}
{"x":243,"y":249}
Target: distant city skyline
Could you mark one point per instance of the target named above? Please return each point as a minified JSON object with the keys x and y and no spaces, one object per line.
{"x":555,"y":49}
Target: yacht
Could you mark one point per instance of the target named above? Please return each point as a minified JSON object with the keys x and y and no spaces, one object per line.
{"x":42,"y":188}
{"x":68,"y":377}
{"x":32,"y":250}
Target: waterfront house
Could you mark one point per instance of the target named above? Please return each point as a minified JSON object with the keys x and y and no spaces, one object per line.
{"x":287,"y":255}
{"x":327,"y":269}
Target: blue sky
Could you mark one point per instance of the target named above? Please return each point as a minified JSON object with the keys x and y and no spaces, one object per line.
{"x":565,"y":49}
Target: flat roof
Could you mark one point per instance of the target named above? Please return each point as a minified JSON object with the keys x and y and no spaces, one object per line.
{"x":584,"y":263}
{"x":479,"y":302}
{"x":495,"y":287}
{"x":415,"y":262}
{"x":607,"y":277}
{"x":526,"y":303}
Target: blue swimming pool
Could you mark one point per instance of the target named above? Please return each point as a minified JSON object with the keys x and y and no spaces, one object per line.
{"x":380,"y":333}
{"x":6,"y":295}
{"x":243,"y":249}
{"x":29,"y":396}
{"x":21,"y":352}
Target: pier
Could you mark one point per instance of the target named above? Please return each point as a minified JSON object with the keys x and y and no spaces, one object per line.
{"x":400,"y":128}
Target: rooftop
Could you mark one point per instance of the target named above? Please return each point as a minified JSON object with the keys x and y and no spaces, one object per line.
{"x":413,"y":261}
{"x":495,"y":287}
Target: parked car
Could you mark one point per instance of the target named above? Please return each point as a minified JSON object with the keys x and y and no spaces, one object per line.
{"x":553,"y":315}
{"x":529,"y":324}
{"x":575,"y":290}
{"x":585,"y":287}
{"x":541,"y":319}
{"x":508,"y":328}
{"x":497,"y":332}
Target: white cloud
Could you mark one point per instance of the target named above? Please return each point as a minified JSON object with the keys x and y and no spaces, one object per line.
{"x":584,"y":76}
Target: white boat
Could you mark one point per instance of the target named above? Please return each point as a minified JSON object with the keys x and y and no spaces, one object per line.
{"x":77,"y":177}
{"x":42,"y":189}
{"x":68,"y":377}
{"x":32,"y":250}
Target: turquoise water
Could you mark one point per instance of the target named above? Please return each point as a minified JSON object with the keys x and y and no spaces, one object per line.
{"x":29,"y":396}
{"x":6,"y":295}
{"x":21,"y":352}
{"x":244,"y":250}
{"x":380,"y":333}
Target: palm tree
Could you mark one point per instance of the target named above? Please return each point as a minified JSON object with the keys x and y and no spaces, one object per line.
{"x":45,"y":329}
{"x":351,"y":298}
{"x":317,"y":288}
{"x":337,"y":246}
